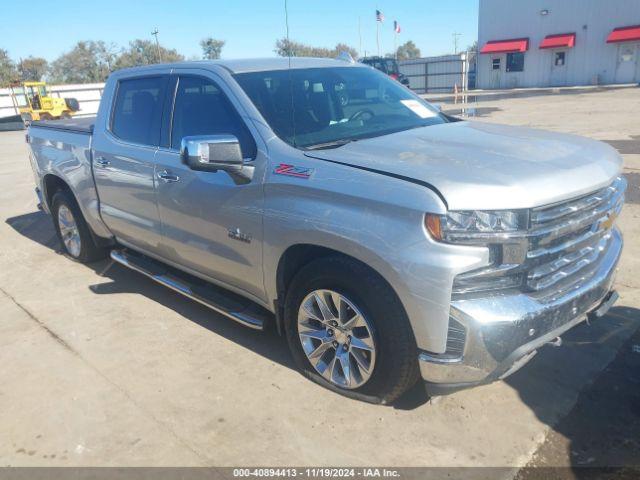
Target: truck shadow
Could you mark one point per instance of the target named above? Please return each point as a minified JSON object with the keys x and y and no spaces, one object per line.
{"x":588,"y":393}
{"x":37,"y":227}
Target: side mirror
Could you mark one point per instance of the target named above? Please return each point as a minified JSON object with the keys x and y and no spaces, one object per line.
{"x":212,"y":153}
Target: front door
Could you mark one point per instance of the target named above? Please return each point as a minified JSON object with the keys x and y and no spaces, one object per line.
{"x":123,"y":162}
{"x":496,"y":72}
{"x":211,"y":223}
{"x":627,"y":66}
{"x":558,"y":77}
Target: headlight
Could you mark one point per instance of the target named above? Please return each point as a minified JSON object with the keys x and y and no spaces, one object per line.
{"x":476,"y":226}
{"x":504,"y":232}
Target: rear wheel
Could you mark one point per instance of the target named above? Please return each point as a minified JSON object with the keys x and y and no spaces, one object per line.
{"x":73,"y":231}
{"x":348,"y":331}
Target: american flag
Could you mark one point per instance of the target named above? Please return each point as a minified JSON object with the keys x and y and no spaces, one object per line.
{"x":379,"y":16}
{"x":396,"y":26}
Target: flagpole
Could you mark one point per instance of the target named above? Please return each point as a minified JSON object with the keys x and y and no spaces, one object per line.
{"x":395,"y":41}
{"x":378,"y":36}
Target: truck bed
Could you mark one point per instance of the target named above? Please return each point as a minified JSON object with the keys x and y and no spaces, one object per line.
{"x":75,"y":125}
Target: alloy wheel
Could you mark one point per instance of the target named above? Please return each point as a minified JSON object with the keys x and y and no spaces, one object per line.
{"x":69,"y":231}
{"x":336,"y":338}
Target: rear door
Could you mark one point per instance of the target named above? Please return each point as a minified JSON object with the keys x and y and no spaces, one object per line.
{"x":123,"y":159}
{"x":211,"y":224}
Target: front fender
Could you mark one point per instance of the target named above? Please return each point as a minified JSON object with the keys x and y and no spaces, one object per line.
{"x":377,"y":220}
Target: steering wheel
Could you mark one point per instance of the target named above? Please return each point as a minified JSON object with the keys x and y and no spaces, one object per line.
{"x":359,"y":113}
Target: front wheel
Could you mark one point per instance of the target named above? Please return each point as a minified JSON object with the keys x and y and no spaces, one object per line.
{"x":348,"y":331}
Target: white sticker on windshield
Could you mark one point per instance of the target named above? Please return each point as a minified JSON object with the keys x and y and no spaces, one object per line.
{"x":418,"y":108}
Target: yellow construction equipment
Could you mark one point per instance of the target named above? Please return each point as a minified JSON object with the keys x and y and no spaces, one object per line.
{"x":34,"y":102}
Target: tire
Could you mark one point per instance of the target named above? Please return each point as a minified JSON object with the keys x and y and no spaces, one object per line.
{"x":70,"y":224}
{"x":395,"y":367}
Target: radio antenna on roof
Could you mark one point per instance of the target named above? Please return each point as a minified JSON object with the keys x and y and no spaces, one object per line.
{"x":289,"y":53}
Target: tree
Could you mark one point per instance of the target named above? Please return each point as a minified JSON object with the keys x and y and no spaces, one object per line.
{"x":285,"y":47}
{"x":8,"y":72}
{"x":343,"y":47}
{"x":472,"y":51}
{"x":32,"y":69}
{"x":211,"y":48}
{"x":145,"y":52}
{"x":407,"y":50}
{"x":87,"y":62}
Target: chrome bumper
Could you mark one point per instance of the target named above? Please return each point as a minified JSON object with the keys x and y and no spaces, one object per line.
{"x":503,"y":332}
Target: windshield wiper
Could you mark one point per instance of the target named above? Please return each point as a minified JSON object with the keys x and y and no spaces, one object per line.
{"x":333,"y":144}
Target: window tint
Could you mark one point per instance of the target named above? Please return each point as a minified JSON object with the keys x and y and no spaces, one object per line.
{"x":138,"y":110}
{"x":515,"y":62}
{"x":201,"y":108}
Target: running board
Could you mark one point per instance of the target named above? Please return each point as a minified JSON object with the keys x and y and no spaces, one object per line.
{"x":226,"y":303}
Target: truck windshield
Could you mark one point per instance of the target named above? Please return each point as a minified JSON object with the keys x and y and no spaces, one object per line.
{"x":327,"y":107}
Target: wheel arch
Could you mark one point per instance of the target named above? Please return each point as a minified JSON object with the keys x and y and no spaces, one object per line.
{"x":52,"y":183}
{"x":296,"y":256}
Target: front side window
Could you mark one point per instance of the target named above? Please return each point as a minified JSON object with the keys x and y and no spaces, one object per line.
{"x":314,"y":107}
{"x":20,"y":96}
{"x":515,"y":62}
{"x":201,"y":108}
{"x":137,"y":112}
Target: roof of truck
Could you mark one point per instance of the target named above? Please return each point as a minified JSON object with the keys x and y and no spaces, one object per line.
{"x":258,"y":64}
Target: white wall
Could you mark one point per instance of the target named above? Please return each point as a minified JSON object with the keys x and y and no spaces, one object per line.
{"x":591,"y":59}
{"x":88,"y":95}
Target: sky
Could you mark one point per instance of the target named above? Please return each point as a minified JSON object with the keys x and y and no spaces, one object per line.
{"x":249,"y":27}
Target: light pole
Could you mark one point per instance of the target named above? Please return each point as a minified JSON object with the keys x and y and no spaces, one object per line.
{"x":155,"y":34}
{"x":455,"y":42}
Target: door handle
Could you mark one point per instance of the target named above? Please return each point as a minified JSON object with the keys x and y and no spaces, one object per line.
{"x":102,"y":162}
{"x":167,"y":177}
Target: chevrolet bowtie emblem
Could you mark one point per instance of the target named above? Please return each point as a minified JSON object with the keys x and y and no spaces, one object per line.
{"x":608,"y":223}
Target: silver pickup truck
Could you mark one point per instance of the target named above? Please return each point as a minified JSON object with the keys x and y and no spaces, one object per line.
{"x":386,"y":240}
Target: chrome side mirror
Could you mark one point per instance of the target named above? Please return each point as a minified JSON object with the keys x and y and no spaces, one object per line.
{"x":212,"y":153}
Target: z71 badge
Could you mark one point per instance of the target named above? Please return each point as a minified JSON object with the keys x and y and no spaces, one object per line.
{"x":293,"y":171}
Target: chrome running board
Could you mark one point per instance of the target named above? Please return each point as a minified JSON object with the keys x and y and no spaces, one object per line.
{"x":226,"y":303}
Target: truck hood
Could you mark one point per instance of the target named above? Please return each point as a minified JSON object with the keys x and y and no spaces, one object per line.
{"x":476,"y":165}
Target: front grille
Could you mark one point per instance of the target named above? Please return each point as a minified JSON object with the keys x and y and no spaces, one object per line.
{"x":568,"y":238}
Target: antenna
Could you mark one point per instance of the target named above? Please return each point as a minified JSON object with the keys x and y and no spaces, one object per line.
{"x":455,"y":42}
{"x":360,"y":35}
{"x":155,"y":34}
{"x":289,"y":53}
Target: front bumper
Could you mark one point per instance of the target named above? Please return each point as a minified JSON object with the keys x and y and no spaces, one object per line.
{"x":504,"y":332}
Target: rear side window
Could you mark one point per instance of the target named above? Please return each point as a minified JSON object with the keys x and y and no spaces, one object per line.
{"x":201,"y":108}
{"x":137,"y":113}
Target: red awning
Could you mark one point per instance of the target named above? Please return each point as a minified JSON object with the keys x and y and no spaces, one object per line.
{"x":625,"y":34}
{"x":506,"y":46}
{"x":561,"y":40}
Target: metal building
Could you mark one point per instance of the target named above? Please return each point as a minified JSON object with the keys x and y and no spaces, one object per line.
{"x":543,"y":43}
